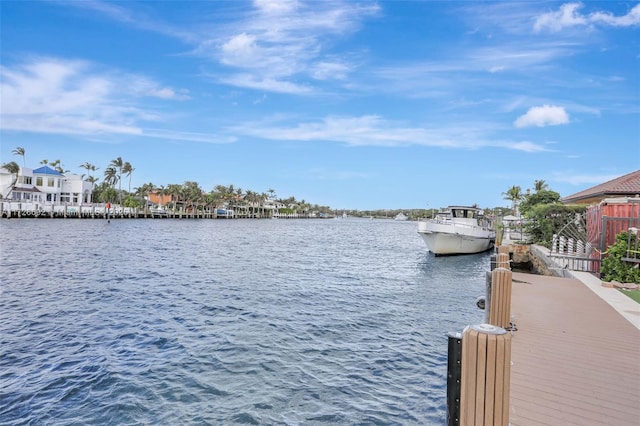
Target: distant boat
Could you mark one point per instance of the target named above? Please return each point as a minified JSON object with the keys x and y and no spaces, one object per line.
{"x":457,"y":230}
{"x":158,"y":212}
{"x":401,"y":216}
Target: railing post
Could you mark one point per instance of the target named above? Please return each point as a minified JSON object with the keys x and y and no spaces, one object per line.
{"x":486,"y":375}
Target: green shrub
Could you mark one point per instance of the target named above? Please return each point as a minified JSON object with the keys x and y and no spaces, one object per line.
{"x":614,"y":268}
{"x":545,"y":220}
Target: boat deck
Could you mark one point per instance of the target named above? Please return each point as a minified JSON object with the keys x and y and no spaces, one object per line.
{"x":575,"y":359}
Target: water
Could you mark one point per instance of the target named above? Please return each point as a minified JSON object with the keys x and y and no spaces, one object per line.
{"x":265,"y":322}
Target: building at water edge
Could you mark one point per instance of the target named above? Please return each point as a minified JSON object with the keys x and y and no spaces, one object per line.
{"x":44,"y":186}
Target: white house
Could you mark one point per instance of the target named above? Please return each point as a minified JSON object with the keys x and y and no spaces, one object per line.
{"x":44,"y":185}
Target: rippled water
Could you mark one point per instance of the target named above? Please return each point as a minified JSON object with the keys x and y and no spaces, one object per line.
{"x":266,"y":322}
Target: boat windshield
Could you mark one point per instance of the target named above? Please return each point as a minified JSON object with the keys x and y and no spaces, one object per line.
{"x":465,"y":213}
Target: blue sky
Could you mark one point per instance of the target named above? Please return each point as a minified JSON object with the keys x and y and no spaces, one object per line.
{"x":354,"y":105}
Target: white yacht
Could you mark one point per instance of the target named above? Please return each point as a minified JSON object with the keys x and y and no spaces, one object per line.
{"x":457,"y":230}
{"x":401,"y":216}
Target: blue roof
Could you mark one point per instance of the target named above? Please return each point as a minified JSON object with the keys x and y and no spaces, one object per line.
{"x":46,"y":170}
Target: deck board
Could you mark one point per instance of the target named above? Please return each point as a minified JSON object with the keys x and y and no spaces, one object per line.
{"x":575,"y":360}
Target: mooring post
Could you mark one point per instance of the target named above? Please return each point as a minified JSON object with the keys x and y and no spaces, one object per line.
{"x":486,"y":375}
{"x":454,"y":376}
{"x":500,"y":307}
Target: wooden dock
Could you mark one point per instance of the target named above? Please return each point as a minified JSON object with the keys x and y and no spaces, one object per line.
{"x":575,"y":359}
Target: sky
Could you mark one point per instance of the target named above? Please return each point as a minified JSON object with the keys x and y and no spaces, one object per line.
{"x":349,"y":104}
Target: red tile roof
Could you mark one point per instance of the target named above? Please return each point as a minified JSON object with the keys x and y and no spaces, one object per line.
{"x":627,"y":185}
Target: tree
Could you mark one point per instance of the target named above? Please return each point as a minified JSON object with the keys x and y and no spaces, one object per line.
{"x":540,"y":185}
{"x":13,"y":168}
{"x":513,"y":194}
{"x":90,"y":168}
{"x":110,"y":176}
{"x":544,"y":220}
{"x":127,"y":169}
{"x":117,"y":165}
{"x":542,"y":196}
{"x":58,"y":167}
{"x":20,"y":151}
{"x":143,"y":192}
{"x":192,"y":194}
{"x":175,"y":191}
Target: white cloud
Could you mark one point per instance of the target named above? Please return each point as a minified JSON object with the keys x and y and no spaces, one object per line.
{"x":373,"y":130}
{"x":57,"y":96}
{"x":546,"y":115}
{"x":329,"y":70}
{"x":240,"y":51}
{"x":251,"y":81}
{"x":630,"y":19}
{"x":285,"y":40}
{"x":526,"y":146}
{"x":568,"y":16}
{"x":276,"y":7}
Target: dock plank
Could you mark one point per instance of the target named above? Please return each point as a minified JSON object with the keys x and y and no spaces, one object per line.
{"x":575,"y":360}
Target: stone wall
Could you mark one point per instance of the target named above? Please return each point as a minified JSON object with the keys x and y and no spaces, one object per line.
{"x":533,"y":259}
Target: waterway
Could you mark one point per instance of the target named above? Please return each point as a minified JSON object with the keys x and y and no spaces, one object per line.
{"x":221,"y":322}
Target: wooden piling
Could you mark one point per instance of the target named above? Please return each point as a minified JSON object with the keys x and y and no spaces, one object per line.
{"x":503,"y":261}
{"x":486,"y":375}
{"x":500,"y":307}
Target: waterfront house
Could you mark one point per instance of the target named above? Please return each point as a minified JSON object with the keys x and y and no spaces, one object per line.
{"x":623,"y":186}
{"x":612,"y":207}
{"x":44,"y":186}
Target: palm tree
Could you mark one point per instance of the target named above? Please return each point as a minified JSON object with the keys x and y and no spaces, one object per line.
{"x":20,"y":151}
{"x":110,"y":176}
{"x":540,"y":185}
{"x":90,"y":168}
{"x":192,"y":195}
{"x":514,"y":194}
{"x":93,"y":181}
{"x":13,"y":168}
{"x":117,"y":165}
{"x":143,"y":192}
{"x":175,"y":191}
{"x":57,"y":166}
{"x":127,"y":169}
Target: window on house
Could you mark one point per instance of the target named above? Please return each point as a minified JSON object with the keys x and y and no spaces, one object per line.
{"x":50,"y":182}
{"x":25,"y":179}
{"x":64,"y":197}
{"x":39,"y":181}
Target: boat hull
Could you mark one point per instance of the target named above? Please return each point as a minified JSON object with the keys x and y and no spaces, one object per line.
{"x":449,"y":239}
{"x":442,"y":244}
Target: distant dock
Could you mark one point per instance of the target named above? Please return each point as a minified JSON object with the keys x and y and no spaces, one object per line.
{"x":17,"y":210}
